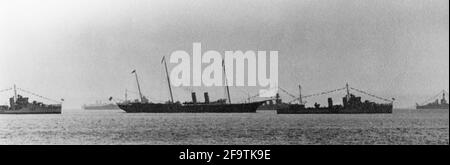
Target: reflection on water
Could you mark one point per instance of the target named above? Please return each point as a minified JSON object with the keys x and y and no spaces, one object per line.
{"x":264,"y":127}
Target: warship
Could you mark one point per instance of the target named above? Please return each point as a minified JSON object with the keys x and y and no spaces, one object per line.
{"x":219,"y":106}
{"x":443,"y":104}
{"x":351,"y":105}
{"x":20,"y":105}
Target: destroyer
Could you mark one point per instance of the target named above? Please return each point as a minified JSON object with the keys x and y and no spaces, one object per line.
{"x":435,"y":105}
{"x":20,"y":105}
{"x":219,"y":106}
{"x":351,"y":105}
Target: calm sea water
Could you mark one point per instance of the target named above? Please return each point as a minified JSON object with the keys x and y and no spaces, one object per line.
{"x":264,"y":127}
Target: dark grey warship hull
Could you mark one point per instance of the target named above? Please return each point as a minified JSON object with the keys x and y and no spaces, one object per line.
{"x":28,"y":111}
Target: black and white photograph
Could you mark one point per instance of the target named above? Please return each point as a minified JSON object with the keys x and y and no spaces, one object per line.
{"x":224,"y":73}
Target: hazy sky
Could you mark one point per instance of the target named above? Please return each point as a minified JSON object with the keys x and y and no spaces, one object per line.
{"x":84,"y":50}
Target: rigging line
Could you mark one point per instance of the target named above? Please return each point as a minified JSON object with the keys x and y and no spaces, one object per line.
{"x":136,"y":93}
{"x":445,"y":92}
{"x":4,"y":90}
{"x":251,"y":97}
{"x":293,"y":100}
{"x":38,"y":95}
{"x":254,"y":96}
{"x":304,"y":101}
{"x":361,"y":91}
{"x":248,"y":94}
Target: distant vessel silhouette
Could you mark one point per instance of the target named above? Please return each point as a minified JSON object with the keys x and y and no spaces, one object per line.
{"x":100,"y":106}
{"x":20,"y":105}
{"x":443,"y":104}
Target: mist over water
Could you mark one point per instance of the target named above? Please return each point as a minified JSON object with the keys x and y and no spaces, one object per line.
{"x":405,"y":126}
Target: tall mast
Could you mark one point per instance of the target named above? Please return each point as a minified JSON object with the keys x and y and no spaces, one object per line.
{"x":226,"y":82}
{"x":300,"y":93}
{"x":168,"y":79}
{"x":139,"y":87}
